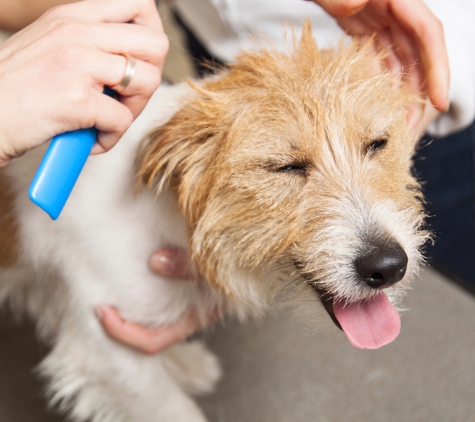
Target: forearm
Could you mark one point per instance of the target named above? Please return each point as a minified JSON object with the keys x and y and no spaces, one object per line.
{"x":16,"y":14}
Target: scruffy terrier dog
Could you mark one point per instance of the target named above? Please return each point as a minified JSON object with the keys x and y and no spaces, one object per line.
{"x":285,"y":169}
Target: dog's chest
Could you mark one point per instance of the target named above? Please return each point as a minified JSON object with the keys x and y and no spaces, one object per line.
{"x":102,"y":242}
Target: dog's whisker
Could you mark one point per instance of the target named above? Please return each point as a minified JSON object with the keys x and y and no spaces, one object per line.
{"x":296,"y":281}
{"x":276,"y":269}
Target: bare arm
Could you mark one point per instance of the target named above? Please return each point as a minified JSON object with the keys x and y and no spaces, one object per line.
{"x":16,"y":14}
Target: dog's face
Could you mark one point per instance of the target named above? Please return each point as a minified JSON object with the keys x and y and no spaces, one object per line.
{"x":303,"y":161}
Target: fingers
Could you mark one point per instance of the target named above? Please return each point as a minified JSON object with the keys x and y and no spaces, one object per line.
{"x":146,"y":340}
{"x":408,"y":59}
{"x":142,"y":12}
{"x":137,"y":41}
{"x":84,"y":21}
{"x":89,"y":53}
{"x":342,"y":8}
{"x":420,"y":116}
{"x":169,"y":262}
{"x":415,"y":43}
{"x":145,"y":78}
{"x":427,"y":32}
{"x":142,"y":43}
{"x":149,"y":49}
{"x":110,"y":117}
{"x":108,"y":69}
{"x":80,"y":44}
{"x":173,"y":263}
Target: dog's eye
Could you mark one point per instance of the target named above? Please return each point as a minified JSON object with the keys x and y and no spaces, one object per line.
{"x":376,"y":145}
{"x":295,"y":168}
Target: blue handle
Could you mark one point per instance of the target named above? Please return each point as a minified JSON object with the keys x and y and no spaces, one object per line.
{"x":59,"y":170}
{"x":61,"y":167}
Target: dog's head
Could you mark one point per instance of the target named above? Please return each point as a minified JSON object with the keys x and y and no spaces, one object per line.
{"x":301,"y":160}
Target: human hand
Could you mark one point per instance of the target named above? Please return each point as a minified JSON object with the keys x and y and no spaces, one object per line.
{"x":171,"y":263}
{"x":52,"y":73}
{"x":414,"y":41}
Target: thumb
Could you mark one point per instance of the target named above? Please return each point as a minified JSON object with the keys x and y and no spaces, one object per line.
{"x":343,"y":8}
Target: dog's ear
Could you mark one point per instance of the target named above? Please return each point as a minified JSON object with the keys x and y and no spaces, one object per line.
{"x":171,"y":150}
{"x":182,"y":149}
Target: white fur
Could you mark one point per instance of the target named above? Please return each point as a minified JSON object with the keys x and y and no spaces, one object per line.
{"x":97,"y":252}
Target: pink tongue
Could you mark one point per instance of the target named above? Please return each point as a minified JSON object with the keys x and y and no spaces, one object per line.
{"x":369,"y":324}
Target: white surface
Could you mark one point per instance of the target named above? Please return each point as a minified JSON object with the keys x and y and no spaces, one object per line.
{"x":225,"y":27}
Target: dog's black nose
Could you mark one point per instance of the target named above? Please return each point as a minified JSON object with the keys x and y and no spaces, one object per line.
{"x":382,"y":264}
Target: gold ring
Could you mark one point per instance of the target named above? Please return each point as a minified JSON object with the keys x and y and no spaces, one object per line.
{"x":128,"y":74}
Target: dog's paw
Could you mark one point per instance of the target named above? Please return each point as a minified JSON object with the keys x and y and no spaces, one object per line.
{"x":193,"y":367}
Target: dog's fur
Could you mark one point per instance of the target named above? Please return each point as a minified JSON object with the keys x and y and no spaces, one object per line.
{"x":274,"y":177}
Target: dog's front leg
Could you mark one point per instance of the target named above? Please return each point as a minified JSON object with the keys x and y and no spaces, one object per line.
{"x":98,"y":379}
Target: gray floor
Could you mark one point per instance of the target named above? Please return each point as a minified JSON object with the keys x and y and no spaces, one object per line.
{"x":277,"y":372}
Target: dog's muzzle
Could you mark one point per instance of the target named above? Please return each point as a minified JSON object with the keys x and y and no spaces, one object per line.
{"x":371,"y":322}
{"x":381,"y":264}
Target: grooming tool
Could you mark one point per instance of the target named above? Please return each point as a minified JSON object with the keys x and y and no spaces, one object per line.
{"x":61,"y":166}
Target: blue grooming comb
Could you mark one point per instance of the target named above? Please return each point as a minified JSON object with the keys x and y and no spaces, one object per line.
{"x":61,"y":167}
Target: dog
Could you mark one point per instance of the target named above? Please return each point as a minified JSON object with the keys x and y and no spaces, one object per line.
{"x":285,"y":175}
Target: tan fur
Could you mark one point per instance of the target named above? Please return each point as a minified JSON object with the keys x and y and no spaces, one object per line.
{"x":269,"y":110}
{"x":9,"y":241}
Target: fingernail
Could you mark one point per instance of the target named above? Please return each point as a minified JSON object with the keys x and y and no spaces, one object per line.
{"x":164,"y":262}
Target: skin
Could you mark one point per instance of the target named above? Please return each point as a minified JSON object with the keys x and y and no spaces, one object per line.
{"x":410,"y":32}
{"x":172,"y":263}
{"x":81,"y":45}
